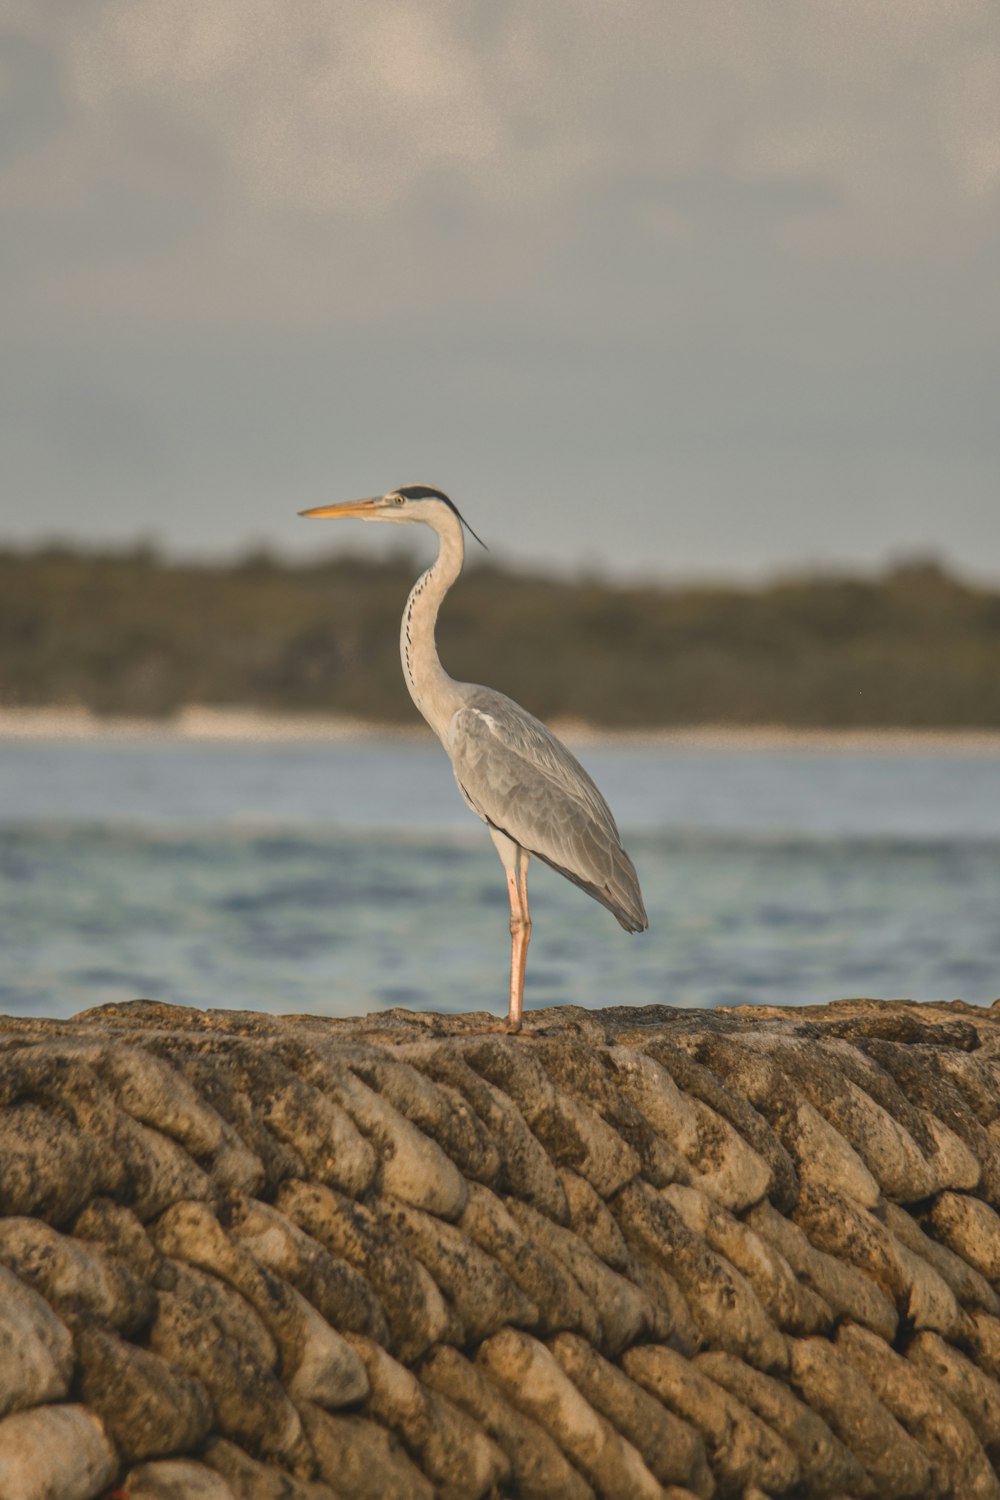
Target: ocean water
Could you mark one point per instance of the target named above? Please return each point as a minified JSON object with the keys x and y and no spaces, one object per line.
{"x":341,"y":878}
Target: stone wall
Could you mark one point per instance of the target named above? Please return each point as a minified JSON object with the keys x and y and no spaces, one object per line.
{"x":630,"y":1253}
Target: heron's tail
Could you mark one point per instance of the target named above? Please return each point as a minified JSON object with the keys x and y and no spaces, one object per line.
{"x":629,"y":907}
{"x":620,"y":893}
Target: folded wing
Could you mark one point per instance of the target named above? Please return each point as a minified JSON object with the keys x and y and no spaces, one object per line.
{"x":521,"y":780}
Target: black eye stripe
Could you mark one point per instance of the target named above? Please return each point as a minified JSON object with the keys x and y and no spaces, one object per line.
{"x":426,"y":492}
{"x":422,"y":492}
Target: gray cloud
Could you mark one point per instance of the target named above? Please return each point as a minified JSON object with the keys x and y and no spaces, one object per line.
{"x":731,"y":269}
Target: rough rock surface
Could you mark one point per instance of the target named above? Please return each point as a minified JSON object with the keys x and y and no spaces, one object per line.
{"x":629,"y":1253}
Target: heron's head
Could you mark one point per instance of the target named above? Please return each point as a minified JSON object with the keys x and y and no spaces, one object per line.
{"x":410,"y":502}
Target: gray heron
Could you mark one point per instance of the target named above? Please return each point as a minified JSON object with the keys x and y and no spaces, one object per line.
{"x":533,"y":795}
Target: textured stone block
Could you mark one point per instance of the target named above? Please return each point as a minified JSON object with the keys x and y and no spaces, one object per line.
{"x":523,"y":1167}
{"x":363,"y":1459}
{"x":957,"y":1461}
{"x":623,"y":1311}
{"x":558,"y":1298}
{"x":742,"y":1450}
{"x":156,"y":1094}
{"x":653,"y":1092}
{"x":970,"y":1288}
{"x":251,"y":1406}
{"x":826,"y":1466}
{"x":482,"y":1295}
{"x":148,"y":1407}
{"x":971,"y":1228}
{"x":516,"y":1071}
{"x":687,"y":1059}
{"x":322,"y":1134}
{"x":36,"y":1351}
{"x":54,"y":1453}
{"x":538,"y":1466}
{"x":436,"y":1108}
{"x":119,"y":1231}
{"x":723,"y":1165}
{"x":671,"y":1449}
{"x":227,"y":1086}
{"x":176,"y":1479}
{"x":532,"y":1380}
{"x":412,"y":1167}
{"x":50,"y":1167}
{"x":161,"y":1173}
{"x":335,"y":1289}
{"x":671,"y":1318}
{"x":885,"y":1146}
{"x":316,"y":1363}
{"x":850,"y":1233}
{"x":845,"y":1290}
{"x":414,"y":1308}
{"x":722,"y":1302}
{"x":834,"y":1388}
{"x":211,"y":1300}
{"x":953,"y":1163}
{"x":462,"y":1461}
{"x":591,"y":1077}
{"x":250,"y":1480}
{"x":525,"y":1171}
{"x":983,"y":1341}
{"x":820,"y":1154}
{"x":575,"y":1136}
{"x":976,"y":1079}
{"x":593,"y":1221}
{"x":975,"y":1393}
{"x":790,"y":1304}
{"x":928,"y":1081}
{"x":74,"y":1277}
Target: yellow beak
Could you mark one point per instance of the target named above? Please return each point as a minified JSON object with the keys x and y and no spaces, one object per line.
{"x":346,"y":508}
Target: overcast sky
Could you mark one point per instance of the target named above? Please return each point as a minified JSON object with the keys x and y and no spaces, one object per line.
{"x":658,"y":287}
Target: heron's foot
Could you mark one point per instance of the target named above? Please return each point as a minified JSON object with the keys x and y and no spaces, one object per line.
{"x":501,"y":1028}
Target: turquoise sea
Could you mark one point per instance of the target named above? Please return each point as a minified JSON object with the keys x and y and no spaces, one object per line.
{"x":337,"y":878}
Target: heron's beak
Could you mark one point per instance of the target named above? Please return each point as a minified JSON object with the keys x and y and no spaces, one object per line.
{"x":346,"y":508}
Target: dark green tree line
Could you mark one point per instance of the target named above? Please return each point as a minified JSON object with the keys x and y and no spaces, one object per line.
{"x":131,"y":633}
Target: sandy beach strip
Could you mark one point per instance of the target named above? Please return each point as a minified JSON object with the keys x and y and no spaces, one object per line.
{"x":201,"y":723}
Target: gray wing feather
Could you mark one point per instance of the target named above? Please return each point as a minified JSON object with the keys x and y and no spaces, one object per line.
{"x":519,"y":779}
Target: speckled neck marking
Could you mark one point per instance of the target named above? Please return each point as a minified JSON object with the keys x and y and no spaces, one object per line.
{"x":430,"y":687}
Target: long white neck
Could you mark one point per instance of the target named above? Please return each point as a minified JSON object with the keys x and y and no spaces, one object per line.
{"x":432,"y":690}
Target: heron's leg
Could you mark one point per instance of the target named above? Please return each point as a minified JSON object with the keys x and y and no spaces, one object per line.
{"x":515,"y":863}
{"x":520,"y":936}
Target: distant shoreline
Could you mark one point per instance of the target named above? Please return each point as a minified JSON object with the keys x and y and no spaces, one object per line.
{"x":199,"y":724}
